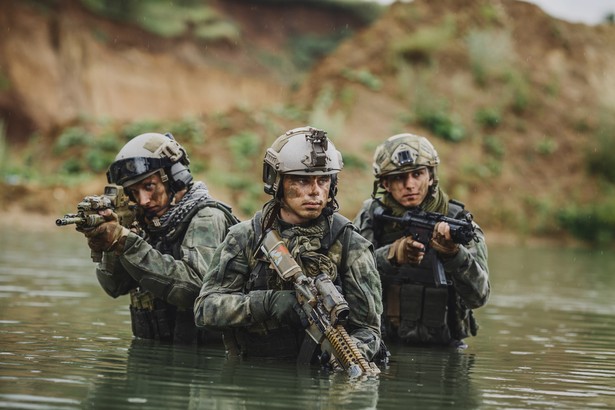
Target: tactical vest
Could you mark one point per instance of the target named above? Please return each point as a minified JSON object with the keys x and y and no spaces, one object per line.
{"x":272,"y":339}
{"x":154,"y":318}
{"x":415,"y":309}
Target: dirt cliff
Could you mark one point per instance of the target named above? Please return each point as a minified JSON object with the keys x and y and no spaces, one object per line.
{"x":511,"y":98}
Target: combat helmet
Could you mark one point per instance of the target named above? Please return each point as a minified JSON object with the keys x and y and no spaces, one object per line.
{"x":148,"y":153}
{"x":301,"y":151}
{"x":403,"y":153}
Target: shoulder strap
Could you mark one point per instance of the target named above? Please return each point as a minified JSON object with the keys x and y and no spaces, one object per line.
{"x":256,"y":224}
{"x":456,"y":209}
{"x":228,"y":211}
{"x":340,"y":226}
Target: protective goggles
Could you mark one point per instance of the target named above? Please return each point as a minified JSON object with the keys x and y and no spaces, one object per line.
{"x":129,"y":168}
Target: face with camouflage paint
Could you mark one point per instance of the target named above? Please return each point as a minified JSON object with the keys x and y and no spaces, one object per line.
{"x":304,"y":197}
{"x":150,"y":194}
{"x":409,"y":188}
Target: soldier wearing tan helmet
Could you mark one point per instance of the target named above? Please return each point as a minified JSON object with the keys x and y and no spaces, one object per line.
{"x":161,"y":264}
{"x":243,"y":295}
{"x":417,"y":311}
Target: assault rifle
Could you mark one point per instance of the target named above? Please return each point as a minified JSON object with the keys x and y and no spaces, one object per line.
{"x":324,"y":306}
{"x":420,"y":225}
{"x":87,"y":216}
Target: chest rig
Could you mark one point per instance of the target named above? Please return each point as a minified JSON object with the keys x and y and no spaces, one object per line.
{"x":154,"y":318}
{"x":340,"y":229}
{"x":415,"y":309}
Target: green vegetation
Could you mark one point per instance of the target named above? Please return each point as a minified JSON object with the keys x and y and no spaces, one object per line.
{"x":169,"y":19}
{"x":440,"y":121}
{"x":324,"y":114}
{"x":594,"y":223}
{"x":421,"y":44}
{"x":306,"y":49}
{"x":488,"y":118}
{"x":546,"y":146}
{"x":601,"y":155}
{"x":245,"y":150}
{"x":491,"y":54}
{"x":363,"y":77}
{"x":5,"y":82}
{"x":494,"y":146}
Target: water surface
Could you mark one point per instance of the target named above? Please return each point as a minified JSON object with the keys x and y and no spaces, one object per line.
{"x":547,"y":340}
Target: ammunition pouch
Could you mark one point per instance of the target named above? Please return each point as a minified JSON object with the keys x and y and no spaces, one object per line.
{"x":153,"y":318}
{"x":423,"y":313}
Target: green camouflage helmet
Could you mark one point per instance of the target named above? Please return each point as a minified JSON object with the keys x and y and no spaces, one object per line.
{"x":300,"y":151}
{"x":403,"y":153}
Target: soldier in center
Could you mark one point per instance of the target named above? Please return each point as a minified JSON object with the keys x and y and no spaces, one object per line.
{"x":242,"y":295}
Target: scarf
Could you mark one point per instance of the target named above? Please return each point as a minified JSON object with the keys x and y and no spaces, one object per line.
{"x":303,"y":242}
{"x":177,"y":212}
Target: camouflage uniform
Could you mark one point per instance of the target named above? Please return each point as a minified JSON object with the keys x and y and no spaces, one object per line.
{"x":162,"y":265}
{"x":452,"y":320}
{"x":416,"y":310}
{"x":328,"y":243}
{"x":164,"y":276}
{"x":224,"y":298}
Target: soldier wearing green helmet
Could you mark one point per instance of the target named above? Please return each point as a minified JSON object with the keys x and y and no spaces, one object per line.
{"x":160,"y":262}
{"x":417,"y":310}
{"x":245,"y":297}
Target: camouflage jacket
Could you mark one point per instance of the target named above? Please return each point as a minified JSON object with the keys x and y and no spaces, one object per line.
{"x":224,"y":300}
{"x":176,"y":281}
{"x":468,"y":268}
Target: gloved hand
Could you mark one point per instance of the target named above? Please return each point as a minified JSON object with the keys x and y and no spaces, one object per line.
{"x":281,"y":305}
{"x":108,"y":236}
{"x":406,"y":250}
{"x":441,"y":240}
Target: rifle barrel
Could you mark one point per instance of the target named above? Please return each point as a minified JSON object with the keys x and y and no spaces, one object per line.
{"x":69,"y":220}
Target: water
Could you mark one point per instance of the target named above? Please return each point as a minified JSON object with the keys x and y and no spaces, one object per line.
{"x":547,"y":340}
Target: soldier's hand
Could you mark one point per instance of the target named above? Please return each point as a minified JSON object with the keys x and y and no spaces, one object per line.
{"x":406,"y":250}
{"x":281,"y":305}
{"x":108,"y":236}
{"x":441,"y":240}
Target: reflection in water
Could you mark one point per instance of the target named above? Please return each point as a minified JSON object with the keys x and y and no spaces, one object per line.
{"x":434,"y":378}
{"x":167,"y":376}
{"x":546,"y":340}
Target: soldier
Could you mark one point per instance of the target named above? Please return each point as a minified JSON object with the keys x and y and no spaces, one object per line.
{"x":416,"y":310}
{"x":244,"y":296}
{"x":162,"y":265}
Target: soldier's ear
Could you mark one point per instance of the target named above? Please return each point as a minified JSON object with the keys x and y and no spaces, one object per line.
{"x":384,"y":182}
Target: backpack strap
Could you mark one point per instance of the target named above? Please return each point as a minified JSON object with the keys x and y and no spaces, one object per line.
{"x":226,"y":209}
{"x":340,"y":227}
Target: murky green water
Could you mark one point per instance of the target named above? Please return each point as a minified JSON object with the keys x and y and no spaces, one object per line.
{"x":547,"y":340}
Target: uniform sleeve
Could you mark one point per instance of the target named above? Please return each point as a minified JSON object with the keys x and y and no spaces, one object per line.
{"x":112,"y":276}
{"x":363,"y":292}
{"x":222,"y":302}
{"x":176,"y":281}
{"x":469,"y":271}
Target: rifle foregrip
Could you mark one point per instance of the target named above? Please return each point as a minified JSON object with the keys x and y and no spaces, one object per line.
{"x":348,"y":354}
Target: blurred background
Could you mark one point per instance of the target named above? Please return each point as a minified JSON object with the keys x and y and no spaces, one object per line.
{"x":517,"y":97}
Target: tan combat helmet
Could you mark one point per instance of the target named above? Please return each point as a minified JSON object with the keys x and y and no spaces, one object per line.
{"x":147,"y":154}
{"x":301,"y":151}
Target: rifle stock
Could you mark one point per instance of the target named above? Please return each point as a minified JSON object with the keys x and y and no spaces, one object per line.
{"x":324,"y":306}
